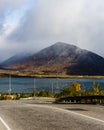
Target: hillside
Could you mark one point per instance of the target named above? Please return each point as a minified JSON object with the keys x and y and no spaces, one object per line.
{"x":62,"y":58}
{"x":16,"y":59}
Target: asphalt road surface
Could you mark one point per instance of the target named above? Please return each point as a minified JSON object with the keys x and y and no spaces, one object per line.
{"x":31,"y":115}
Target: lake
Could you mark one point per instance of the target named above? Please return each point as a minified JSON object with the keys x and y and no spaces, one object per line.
{"x":51,"y":84}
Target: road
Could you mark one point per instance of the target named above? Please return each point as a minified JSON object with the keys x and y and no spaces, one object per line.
{"x":30,"y":115}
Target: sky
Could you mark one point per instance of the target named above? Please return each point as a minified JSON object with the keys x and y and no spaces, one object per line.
{"x":31,"y":25}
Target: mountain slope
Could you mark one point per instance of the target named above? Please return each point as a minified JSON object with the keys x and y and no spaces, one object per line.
{"x":18,"y":58}
{"x":63,"y":58}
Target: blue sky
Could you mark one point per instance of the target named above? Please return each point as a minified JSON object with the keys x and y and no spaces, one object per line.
{"x":31,"y":25}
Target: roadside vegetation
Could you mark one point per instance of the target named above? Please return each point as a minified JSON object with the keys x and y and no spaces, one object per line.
{"x":75,"y":90}
{"x":72,"y":91}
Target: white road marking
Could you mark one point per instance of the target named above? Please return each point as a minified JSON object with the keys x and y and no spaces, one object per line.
{"x":68,"y":111}
{"x":75,"y":113}
{"x":93,"y":118}
{"x":4,"y":123}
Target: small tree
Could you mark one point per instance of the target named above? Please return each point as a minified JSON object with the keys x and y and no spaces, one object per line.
{"x":97,"y":88}
{"x":73,"y":90}
{"x":45,"y":94}
{"x":34,"y":93}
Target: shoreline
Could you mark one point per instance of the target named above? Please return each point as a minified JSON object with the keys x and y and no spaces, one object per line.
{"x":15,"y":73}
{"x":25,"y":75}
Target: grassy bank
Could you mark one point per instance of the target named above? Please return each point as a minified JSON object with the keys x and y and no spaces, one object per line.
{"x":13,"y":73}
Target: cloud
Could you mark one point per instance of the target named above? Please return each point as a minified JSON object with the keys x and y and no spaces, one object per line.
{"x":48,"y":21}
{"x":7,"y":6}
{"x":9,"y":20}
{"x":73,"y":21}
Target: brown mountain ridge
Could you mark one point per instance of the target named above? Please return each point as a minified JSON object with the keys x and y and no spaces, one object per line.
{"x":60,"y":58}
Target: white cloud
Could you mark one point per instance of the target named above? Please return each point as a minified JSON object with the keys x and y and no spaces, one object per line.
{"x":48,"y":21}
{"x":9,"y":20}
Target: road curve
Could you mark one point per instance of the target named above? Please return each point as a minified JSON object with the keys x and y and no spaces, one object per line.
{"x":23,"y":115}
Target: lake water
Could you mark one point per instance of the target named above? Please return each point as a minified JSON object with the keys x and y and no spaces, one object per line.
{"x":51,"y":84}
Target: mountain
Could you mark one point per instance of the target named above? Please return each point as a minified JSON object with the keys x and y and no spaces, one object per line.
{"x":18,"y":58}
{"x":63,"y":58}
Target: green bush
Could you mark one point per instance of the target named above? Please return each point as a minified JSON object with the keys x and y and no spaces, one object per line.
{"x":25,"y":95}
{"x":45,"y":94}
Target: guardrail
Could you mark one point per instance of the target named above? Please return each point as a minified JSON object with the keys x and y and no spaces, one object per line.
{"x":82,"y":99}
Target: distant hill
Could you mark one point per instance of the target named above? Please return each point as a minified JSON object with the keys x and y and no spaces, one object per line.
{"x":18,"y":58}
{"x":61,"y":58}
